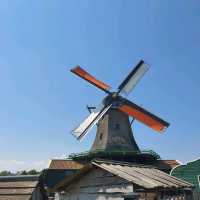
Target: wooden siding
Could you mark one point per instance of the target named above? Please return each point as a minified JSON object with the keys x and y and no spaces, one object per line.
{"x":14,"y":197}
{"x":196,"y":195}
{"x":97,"y":184}
{"x":20,"y":188}
{"x":101,"y":185}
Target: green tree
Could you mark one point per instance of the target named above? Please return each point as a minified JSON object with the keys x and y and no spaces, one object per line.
{"x":5,"y":173}
{"x":24,"y":172}
{"x":30,"y":172}
{"x":33,"y":172}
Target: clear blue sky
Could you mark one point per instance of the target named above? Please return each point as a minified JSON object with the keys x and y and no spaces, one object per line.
{"x":41,"y":101}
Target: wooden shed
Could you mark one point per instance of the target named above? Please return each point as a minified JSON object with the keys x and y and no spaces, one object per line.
{"x":59,"y":169}
{"x":21,"y":188}
{"x":103,"y":180}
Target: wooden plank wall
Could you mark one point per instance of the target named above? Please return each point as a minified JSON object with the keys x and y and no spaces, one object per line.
{"x":98,"y":184}
{"x":101,"y":185}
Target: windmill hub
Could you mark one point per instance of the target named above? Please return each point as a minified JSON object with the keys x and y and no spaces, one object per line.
{"x":114,"y":94}
{"x":113,"y":99}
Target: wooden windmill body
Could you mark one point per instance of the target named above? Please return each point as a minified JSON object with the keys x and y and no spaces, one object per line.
{"x":114,"y":133}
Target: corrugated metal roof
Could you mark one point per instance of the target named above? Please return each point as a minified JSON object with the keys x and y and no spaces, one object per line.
{"x":144,"y":176}
{"x":65,"y":164}
{"x":147,"y":177}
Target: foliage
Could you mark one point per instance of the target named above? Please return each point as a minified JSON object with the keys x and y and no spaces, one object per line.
{"x":5,"y":173}
{"x":31,"y":172}
{"x":24,"y":172}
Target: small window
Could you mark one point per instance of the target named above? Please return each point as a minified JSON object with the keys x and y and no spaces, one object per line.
{"x":117,"y":127}
{"x":101,"y":136}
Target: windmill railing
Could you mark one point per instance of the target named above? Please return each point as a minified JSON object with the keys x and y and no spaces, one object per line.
{"x":114,"y":153}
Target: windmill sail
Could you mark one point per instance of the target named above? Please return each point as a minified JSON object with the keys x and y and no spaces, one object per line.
{"x":115,"y":101}
{"x":89,"y":122}
{"x":132,"y":79}
{"x":91,"y":79}
{"x":143,"y":116}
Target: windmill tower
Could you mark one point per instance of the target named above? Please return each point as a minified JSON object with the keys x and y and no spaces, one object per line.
{"x":114,"y":131}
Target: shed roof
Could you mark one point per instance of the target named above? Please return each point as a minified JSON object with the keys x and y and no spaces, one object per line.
{"x":144,"y":176}
{"x":18,"y":184}
{"x":147,"y":177}
{"x":15,"y":197}
{"x":19,"y":178}
{"x":65,"y":164}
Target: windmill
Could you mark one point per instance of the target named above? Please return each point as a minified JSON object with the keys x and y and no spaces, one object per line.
{"x":114,"y":128}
